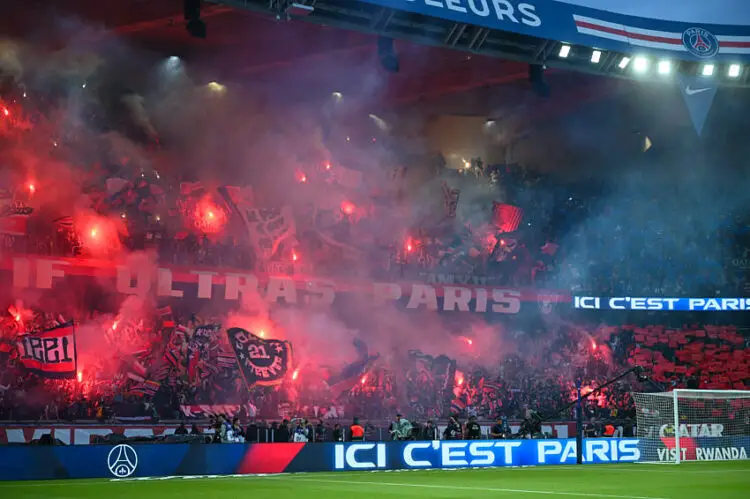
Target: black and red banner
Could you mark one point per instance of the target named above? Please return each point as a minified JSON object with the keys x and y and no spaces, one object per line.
{"x":262,"y":362}
{"x":50,"y":353}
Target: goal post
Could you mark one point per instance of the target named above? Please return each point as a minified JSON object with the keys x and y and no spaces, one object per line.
{"x":693,"y":425}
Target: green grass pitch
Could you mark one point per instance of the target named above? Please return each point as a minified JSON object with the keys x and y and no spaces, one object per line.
{"x":705,"y":480}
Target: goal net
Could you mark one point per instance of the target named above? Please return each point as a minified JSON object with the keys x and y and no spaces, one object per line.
{"x":693,"y":425}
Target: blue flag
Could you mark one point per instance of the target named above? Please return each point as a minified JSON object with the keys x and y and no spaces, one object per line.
{"x":698,"y":93}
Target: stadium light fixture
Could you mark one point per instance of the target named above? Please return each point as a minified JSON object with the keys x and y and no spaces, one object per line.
{"x":665,"y":67}
{"x":624,"y":62}
{"x":596,"y":56}
{"x":564,"y":51}
{"x":708,"y":70}
{"x":640,"y":64}
{"x":734,"y":71}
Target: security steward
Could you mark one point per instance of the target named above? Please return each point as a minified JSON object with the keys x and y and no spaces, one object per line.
{"x":358,"y":433}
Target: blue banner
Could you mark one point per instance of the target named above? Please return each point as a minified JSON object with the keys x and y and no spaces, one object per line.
{"x":687,"y":39}
{"x":663,"y":304}
{"x":139,"y":460}
{"x":478,"y":454}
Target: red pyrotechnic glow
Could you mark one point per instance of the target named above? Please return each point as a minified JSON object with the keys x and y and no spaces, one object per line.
{"x":348,"y":207}
{"x":114,"y":326}
{"x":31,"y":187}
{"x":262,"y":333}
{"x":301,"y":177}
{"x":363,"y":380}
{"x":328,"y":166}
{"x":409,"y":246}
{"x":99,"y":235}
{"x":6,"y":112}
{"x":459,"y":378}
{"x":295,"y":257}
{"x":209,"y":218}
{"x":18,"y":312}
{"x":295,"y":374}
{"x":469,"y":341}
{"x":79,"y":376}
{"x":593,"y":345}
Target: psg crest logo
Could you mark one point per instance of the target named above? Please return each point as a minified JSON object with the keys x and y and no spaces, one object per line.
{"x":700,"y":42}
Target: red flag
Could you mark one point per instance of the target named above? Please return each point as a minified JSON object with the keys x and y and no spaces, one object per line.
{"x":51,"y":353}
{"x":507,"y":217}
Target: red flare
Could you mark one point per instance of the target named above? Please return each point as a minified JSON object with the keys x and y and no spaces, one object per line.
{"x":79,"y":376}
{"x":295,"y":374}
{"x":348,"y":207}
{"x":294,"y":256}
{"x":31,"y":188}
{"x":209,"y":218}
{"x":409,"y":246}
{"x":6,"y":112}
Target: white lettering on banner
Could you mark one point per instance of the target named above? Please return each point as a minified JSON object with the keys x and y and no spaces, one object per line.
{"x":693,"y":430}
{"x":164,"y":283}
{"x":594,"y":451}
{"x":205,"y":283}
{"x":359,"y":456}
{"x":704,"y":454}
{"x":143,"y":280}
{"x":504,"y":10}
{"x":587,"y":302}
{"x":671,"y":454}
{"x":720,"y":454}
{"x":458,"y":454}
{"x":129,"y":283}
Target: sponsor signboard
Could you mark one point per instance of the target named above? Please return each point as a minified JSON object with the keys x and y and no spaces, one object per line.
{"x":133,"y":461}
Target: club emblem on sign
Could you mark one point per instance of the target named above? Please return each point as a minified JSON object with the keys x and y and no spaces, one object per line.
{"x":263,"y":362}
{"x":547,"y":303}
{"x":122,"y":460}
{"x":700,"y":42}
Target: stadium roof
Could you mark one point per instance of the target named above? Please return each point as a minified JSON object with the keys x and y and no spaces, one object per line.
{"x":540,"y":36}
{"x":251,"y":45}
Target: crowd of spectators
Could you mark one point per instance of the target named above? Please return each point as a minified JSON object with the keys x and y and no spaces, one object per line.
{"x":539,"y":375}
{"x":559,"y":243}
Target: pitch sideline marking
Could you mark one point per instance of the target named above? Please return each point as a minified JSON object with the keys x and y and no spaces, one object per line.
{"x":477,"y":489}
